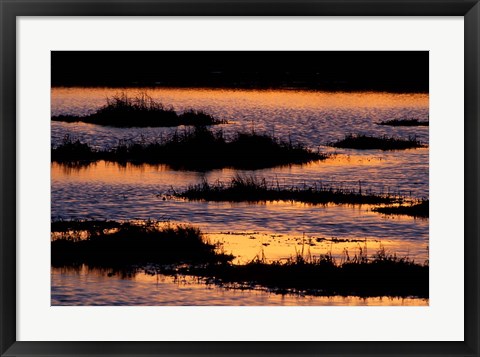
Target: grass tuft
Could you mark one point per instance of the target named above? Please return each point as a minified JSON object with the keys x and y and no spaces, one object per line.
{"x":252,"y":189}
{"x":415,"y":209}
{"x":404,"y":122}
{"x":197,"y":149}
{"x":380,"y":275}
{"x":365,"y":142}
{"x":140,"y":111}
{"x":117,"y":244}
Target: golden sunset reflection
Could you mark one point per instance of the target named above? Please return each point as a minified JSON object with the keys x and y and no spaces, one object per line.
{"x":277,"y":98}
{"x":112,"y":173}
{"x":278,"y":244}
{"x":158,"y":289}
{"x":248,"y":246}
{"x":359,"y":165}
{"x":249,"y":230}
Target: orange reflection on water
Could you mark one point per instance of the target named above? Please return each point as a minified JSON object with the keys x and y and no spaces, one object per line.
{"x":185,"y":97}
{"x":348,"y":160}
{"x":272,"y":231}
{"x":248,"y":246}
{"x":113,"y":173}
{"x":287,"y":228}
{"x":352,"y":167}
{"x":95,"y":287}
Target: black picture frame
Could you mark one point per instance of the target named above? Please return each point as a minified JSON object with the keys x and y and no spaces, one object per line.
{"x":469,"y":9}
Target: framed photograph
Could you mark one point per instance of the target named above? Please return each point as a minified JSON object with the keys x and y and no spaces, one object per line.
{"x":239,"y":178}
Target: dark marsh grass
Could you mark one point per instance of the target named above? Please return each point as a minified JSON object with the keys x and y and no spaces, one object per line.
{"x":141,"y":111}
{"x":252,"y":189}
{"x":382,"y":274}
{"x":73,"y":151}
{"x":128,"y":247}
{"x":92,"y":226}
{"x":197,"y":149}
{"x":115,"y":244}
{"x":420,"y":209}
{"x":365,"y":142}
{"x":404,"y":122}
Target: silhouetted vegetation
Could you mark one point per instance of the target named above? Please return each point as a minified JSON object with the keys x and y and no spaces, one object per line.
{"x":93,"y":227}
{"x":251,"y":189}
{"x":382,"y":275}
{"x":198,"y":149}
{"x":153,"y":247}
{"x":73,"y":152}
{"x":365,"y":142}
{"x":416,"y":209}
{"x":115,"y":244}
{"x":404,"y":122}
{"x":141,"y":111}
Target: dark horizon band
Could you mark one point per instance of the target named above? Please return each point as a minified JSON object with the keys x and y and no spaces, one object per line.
{"x":392,"y":71}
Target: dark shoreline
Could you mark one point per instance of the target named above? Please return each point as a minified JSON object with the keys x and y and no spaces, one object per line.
{"x":397,"y":71}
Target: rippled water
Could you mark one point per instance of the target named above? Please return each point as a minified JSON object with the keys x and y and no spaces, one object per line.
{"x":278,"y":229}
{"x":314,"y":118}
{"x":93,"y":287}
{"x":110,"y":191}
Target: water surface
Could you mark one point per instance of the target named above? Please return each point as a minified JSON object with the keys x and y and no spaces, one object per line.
{"x":274,"y":230}
{"x":95,"y":288}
